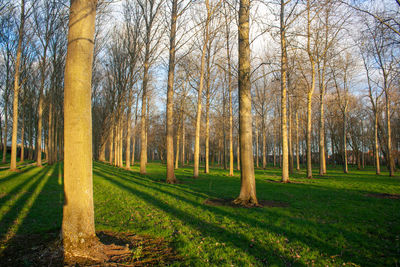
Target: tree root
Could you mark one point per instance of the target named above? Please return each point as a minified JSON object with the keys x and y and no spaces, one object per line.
{"x":95,"y":252}
{"x":247,"y":202}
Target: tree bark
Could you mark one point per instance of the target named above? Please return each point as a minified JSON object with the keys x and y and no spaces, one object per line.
{"x":285,"y":156}
{"x":247,"y":194}
{"x":78,"y":231}
{"x":199,"y":97}
{"x":171,"y":179}
{"x":297,"y":143}
{"x":13,"y":165}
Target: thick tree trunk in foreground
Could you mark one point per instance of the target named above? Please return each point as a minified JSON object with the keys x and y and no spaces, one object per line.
{"x":78,"y":230}
{"x":171,"y":179}
{"x":247,"y":194}
{"x":13,"y":165}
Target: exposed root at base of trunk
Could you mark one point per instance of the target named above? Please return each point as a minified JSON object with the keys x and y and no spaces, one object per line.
{"x":247,"y":202}
{"x":94,"y":252}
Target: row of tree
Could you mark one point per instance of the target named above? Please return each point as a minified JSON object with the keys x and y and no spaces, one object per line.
{"x":312,"y":90}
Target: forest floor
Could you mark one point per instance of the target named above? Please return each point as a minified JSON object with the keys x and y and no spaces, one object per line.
{"x":336,"y":220}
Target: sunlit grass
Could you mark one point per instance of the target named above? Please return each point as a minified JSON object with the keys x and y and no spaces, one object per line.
{"x":330,"y":220}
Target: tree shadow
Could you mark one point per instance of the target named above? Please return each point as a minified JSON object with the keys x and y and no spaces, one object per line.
{"x":209,"y":229}
{"x":30,"y":228}
{"x":352,"y":238}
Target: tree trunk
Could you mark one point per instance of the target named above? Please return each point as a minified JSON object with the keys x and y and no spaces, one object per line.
{"x":284,"y":140}
{"x":230,"y":100}
{"x":111,"y":142}
{"x":143,"y":123}
{"x":309,"y":117}
{"x":171,"y":179}
{"x":322,"y":160}
{"x":264,"y":145}
{"x":199,"y":99}
{"x":207,"y":137}
{"x":345,"y":168}
{"x":22,"y":157}
{"x":377,"y":164}
{"x":290,"y":139}
{"x":389,"y":136}
{"x":78,"y":230}
{"x":257,"y":153}
{"x":183,"y":141}
{"x":247,"y":194}
{"x":297,"y":143}
{"x":5,"y":132}
{"x":13,"y":165}
{"x":238,"y":152}
{"x":128,"y":135}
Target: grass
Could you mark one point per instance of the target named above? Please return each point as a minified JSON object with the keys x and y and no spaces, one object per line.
{"x":330,"y":220}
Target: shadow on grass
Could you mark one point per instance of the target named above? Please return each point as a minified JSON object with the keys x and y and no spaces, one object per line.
{"x":13,"y":175}
{"x":30,"y":228}
{"x":208,"y":229}
{"x":318,"y":194}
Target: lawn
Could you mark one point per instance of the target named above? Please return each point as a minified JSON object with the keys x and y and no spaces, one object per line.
{"x":328,"y":221}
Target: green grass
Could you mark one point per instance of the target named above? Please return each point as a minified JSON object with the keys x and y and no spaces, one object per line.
{"x":329,"y":222}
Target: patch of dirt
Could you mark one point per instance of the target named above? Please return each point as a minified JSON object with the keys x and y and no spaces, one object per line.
{"x":46,"y":250}
{"x":229,"y":202}
{"x":384,"y":195}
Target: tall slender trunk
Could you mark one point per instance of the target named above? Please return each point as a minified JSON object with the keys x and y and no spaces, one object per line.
{"x":290,"y":147}
{"x":264,"y":145}
{"x":128,"y":135}
{"x":143,"y":123}
{"x":207,"y":135}
{"x":111,"y":142}
{"x":121,"y":143}
{"x":78,"y":231}
{"x":310,"y":93}
{"x":183,"y":140}
{"x":376,"y":141}
{"x":238,"y":152}
{"x":322,"y":160}
{"x":40,"y":111}
{"x":22,"y":157}
{"x":134,"y":132}
{"x":308,"y":141}
{"x":170,"y":97}
{"x":284,"y":132}
{"x":297,"y":143}
{"x":13,"y":165}
{"x":247,"y":194}
{"x":229,"y":100}
{"x":199,"y":97}
{"x":389,"y":135}
{"x":5,"y":132}
{"x":345,"y":168}
{"x":49,"y":138}
{"x":178,"y":140}
{"x":257,"y":153}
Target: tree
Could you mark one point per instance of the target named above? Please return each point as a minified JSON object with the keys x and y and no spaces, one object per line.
{"x":78,"y":232}
{"x":247,"y":196}
{"x":13,"y":165}
{"x":150,"y":10}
